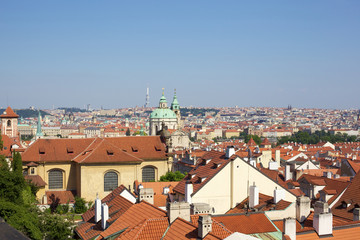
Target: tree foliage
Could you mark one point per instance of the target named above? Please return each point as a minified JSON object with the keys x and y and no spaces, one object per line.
{"x":256,"y":139}
{"x":314,"y":138}
{"x":172,"y":177}
{"x":80,"y":205}
{"x":18,"y":207}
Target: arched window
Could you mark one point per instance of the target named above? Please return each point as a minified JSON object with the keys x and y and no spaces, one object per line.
{"x":110,"y":181}
{"x":55,"y":179}
{"x":148,"y":174}
{"x":9,"y":123}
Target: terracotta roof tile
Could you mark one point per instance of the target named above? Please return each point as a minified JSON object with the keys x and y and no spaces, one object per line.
{"x":36,"y":180}
{"x":64,"y":196}
{"x":9,"y":113}
{"x":247,"y":224}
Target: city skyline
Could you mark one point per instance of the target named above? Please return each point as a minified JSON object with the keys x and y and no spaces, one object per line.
{"x":244,"y":54}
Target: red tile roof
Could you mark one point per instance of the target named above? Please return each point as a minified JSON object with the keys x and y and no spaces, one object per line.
{"x":64,"y":196}
{"x":351,"y":196}
{"x":218,"y":229}
{"x":36,"y":180}
{"x":132,"y":218}
{"x":203,"y":170}
{"x":9,"y":113}
{"x":266,"y":203}
{"x":181,"y":229}
{"x":247,"y":224}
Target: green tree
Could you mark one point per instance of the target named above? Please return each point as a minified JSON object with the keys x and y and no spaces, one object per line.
{"x":80,"y":205}
{"x":55,"y":227}
{"x":128,"y":132}
{"x":256,"y":139}
{"x":172,"y":177}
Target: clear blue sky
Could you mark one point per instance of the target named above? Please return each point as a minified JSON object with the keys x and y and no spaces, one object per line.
{"x":215,"y":53}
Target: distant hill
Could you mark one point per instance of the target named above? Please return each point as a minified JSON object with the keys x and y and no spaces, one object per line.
{"x":27,"y":113}
{"x":72,"y":109}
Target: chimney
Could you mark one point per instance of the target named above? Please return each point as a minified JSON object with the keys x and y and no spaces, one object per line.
{"x":166,"y":190}
{"x":327,"y":174}
{"x":336,"y":176}
{"x":273,"y":165}
{"x":44,"y":200}
{"x":146,"y":194}
{"x":188,"y":191}
{"x":356,"y":214}
{"x":279,"y":194}
{"x":302,"y":208}
{"x":230,"y":150}
{"x":287,"y":172}
{"x":104,"y":215}
{"x":140,"y":187}
{"x":204,"y":225}
{"x":289,"y":228}
{"x":254,"y":196}
{"x":323,"y":219}
{"x":97,"y":209}
{"x":178,"y":209}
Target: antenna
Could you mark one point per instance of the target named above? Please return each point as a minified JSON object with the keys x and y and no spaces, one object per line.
{"x":147,"y":99}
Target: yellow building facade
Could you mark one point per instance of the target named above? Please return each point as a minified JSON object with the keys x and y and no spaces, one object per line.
{"x":94,"y":166}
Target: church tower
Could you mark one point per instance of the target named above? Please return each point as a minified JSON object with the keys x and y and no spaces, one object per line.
{"x":9,"y":123}
{"x":175,"y":107}
{"x":39,"y":133}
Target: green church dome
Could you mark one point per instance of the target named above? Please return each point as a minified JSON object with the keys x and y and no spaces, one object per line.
{"x":162,"y":113}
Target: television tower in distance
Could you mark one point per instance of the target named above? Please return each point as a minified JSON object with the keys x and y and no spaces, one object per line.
{"x":147,"y":99}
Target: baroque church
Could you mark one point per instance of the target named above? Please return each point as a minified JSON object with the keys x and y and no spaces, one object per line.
{"x":167,"y":123}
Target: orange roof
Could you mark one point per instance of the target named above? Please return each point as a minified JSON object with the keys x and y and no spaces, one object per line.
{"x":247,"y":224}
{"x":146,"y":230}
{"x":351,"y":196}
{"x":9,"y":113}
{"x":181,"y":229}
{"x":218,"y":229}
{"x":266,"y":203}
{"x":64,"y":196}
{"x":202,"y":173}
{"x":132,"y":218}
{"x":36,"y":180}
{"x":133,"y":149}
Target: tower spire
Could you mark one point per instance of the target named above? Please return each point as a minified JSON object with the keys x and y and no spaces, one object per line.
{"x":39,"y":133}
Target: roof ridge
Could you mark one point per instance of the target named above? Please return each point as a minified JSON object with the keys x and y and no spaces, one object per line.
{"x":84,"y":150}
{"x":222,"y":226}
{"x":93,"y":150}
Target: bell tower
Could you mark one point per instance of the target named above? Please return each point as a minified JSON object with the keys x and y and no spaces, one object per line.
{"x":9,"y":123}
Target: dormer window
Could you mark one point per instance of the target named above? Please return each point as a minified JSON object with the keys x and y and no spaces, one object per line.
{"x":70,"y":150}
{"x":157,"y":148}
{"x":134,"y":149}
{"x":32,"y":171}
{"x":110,"y":152}
{"x":41,"y":150}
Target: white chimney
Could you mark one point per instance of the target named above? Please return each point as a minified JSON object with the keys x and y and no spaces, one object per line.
{"x":178,"y":209}
{"x":104,"y":215}
{"x":356,"y":214}
{"x":252,"y":162}
{"x":336,"y":176}
{"x":290,"y":227}
{"x":254,"y":196}
{"x":323,"y":219}
{"x":146,"y":194}
{"x":230,"y":150}
{"x":287,"y":172}
{"x":45,"y":201}
{"x":188,"y":191}
{"x":279,"y":194}
{"x":97,"y":209}
{"x":166,"y":190}
{"x":204,"y":225}
{"x":277,"y":156}
{"x":140,"y":187}
{"x":273,"y":165}
{"x":302,"y":208}
{"x":327,"y":174}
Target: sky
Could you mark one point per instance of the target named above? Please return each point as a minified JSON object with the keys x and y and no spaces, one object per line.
{"x":215,"y":53}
